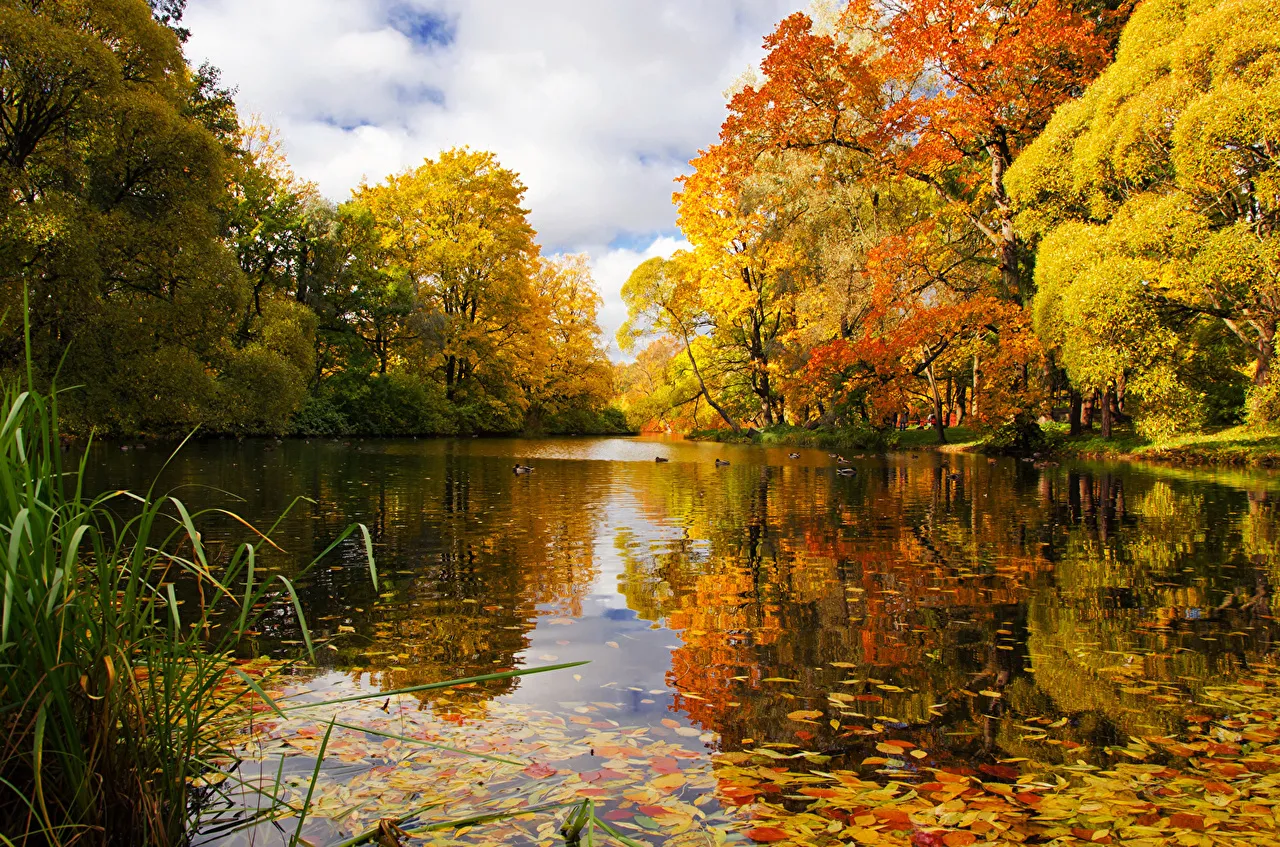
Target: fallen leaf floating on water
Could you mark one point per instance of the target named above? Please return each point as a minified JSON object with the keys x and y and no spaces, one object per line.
{"x":1216,"y":784}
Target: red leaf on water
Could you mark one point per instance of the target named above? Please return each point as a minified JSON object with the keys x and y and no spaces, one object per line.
{"x":539,"y":771}
{"x":1001,"y":771}
{"x":766,"y":833}
{"x":928,"y":838}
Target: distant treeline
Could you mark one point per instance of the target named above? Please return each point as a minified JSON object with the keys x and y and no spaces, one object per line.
{"x":180,"y":275}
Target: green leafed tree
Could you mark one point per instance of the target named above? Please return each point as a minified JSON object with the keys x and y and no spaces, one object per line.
{"x":1156,"y":197}
{"x":115,"y":162}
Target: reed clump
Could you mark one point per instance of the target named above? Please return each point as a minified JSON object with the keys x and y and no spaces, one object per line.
{"x":112,"y":690}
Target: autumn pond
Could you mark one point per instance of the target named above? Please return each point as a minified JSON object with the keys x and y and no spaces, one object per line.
{"x":777,"y":652}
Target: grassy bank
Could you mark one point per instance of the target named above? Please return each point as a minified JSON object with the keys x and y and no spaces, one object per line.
{"x":867,"y":439}
{"x":958,"y":438}
{"x":785,"y":435}
{"x":1239,"y":445}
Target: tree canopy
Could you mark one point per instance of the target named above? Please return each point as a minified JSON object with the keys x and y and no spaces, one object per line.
{"x":181,"y":275}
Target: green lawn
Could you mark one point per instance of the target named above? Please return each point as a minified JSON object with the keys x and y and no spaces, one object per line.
{"x":1238,"y":445}
{"x":918,"y":439}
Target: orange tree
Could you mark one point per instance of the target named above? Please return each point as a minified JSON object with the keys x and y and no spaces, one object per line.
{"x":923,"y":331}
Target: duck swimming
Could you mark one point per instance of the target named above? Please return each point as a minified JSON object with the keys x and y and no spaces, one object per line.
{"x":847,"y":471}
{"x":721,"y":463}
{"x":661,"y":459}
{"x":793,"y":455}
{"x":521,"y":469}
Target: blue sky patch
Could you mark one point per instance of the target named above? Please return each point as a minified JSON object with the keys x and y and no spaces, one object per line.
{"x":641,"y":241}
{"x":430,"y":29}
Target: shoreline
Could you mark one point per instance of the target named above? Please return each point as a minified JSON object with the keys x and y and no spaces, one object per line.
{"x":1238,"y":447}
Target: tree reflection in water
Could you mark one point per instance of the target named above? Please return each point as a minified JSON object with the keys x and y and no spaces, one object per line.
{"x":981,"y":610}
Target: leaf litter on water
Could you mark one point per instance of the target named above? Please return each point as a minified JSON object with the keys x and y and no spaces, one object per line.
{"x":1217,"y":783}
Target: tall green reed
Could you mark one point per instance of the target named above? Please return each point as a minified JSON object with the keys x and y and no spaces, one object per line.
{"x":112,"y":697}
{"x":115,"y":695}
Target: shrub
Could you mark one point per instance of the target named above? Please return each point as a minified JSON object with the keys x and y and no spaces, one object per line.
{"x":1021,"y":436}
{"x":395,"y":404}
{"x":258,"y":392}
{"x":319,"y":417}
{"x":1262,"y":404}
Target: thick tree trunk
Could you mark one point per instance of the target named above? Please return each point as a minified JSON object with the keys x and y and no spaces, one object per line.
{"x":1073,"y":413}
{"x":1266,"y":352}
{"x":1006,"y":239}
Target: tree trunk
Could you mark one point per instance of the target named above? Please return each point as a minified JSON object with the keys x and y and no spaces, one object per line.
{"x":1266,"y":352}
{"x":938,"y":426}
{"x":1106,"y":402}
{"x":973,"y":401}
{"x":1006,"y":238}
{"x":1073,"y":414}
{"x":703,"y":385}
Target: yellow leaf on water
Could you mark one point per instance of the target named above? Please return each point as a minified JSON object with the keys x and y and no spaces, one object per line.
{"x":803,"y":715}
{"x":612,"y":644}
{"x":668,"y":783}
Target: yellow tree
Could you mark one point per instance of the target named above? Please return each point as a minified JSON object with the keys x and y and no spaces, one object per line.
{"x":1159,"y":189}
{"x":664,"y":297}
{"x":747,"y":267}
{"x":570,"y":370}
{"x":455,"y":229}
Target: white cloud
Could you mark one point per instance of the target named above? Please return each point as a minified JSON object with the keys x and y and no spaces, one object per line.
{"x":612,"y":266}
{"x":598,"y":105}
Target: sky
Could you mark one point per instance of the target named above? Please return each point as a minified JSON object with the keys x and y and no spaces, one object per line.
{"x":597,"y":104}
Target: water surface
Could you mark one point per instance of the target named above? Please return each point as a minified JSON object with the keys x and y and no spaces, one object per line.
{"x":983,"y":610}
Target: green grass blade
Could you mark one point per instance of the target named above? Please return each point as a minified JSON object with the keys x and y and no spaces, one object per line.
{"x":257,"y":689}
{"x":311,"y":787}
{"x":461,"y":750}
{"x":368,"y":553}
{"x":302,"y":618}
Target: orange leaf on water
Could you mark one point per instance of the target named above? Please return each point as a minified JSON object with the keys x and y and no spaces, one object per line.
{"x":766,"y":833}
